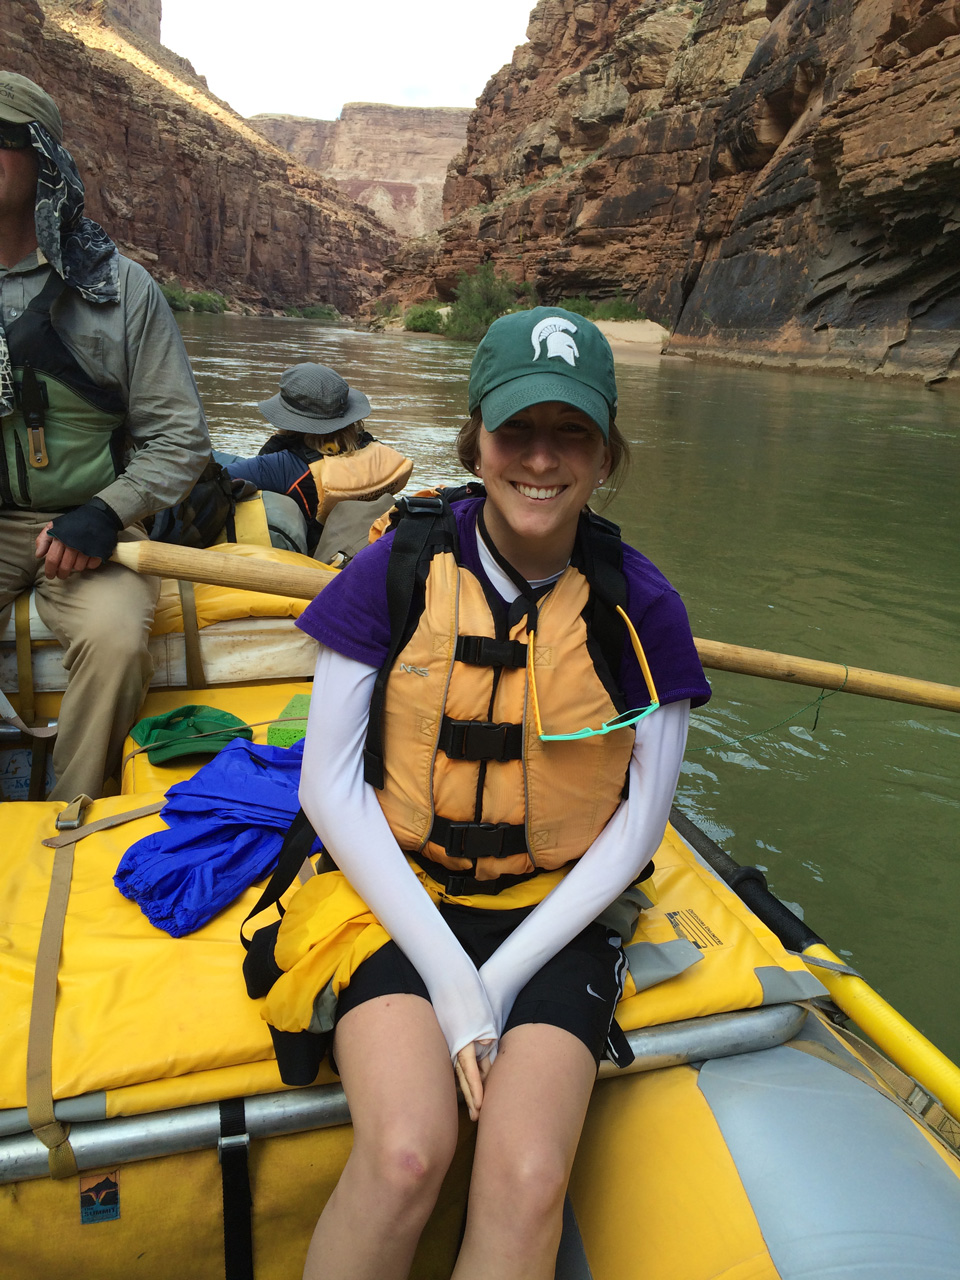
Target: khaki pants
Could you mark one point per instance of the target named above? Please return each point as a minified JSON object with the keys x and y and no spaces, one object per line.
{"x":102,"y":618}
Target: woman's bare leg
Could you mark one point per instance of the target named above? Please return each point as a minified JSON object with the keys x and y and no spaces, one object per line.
{"x":399,"y":1082}
{"x":534,"y":1103}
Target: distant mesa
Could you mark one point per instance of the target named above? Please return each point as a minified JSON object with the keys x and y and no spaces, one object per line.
{"x":392,"y":159}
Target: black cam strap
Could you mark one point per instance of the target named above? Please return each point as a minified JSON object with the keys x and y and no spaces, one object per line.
{"x":418,"y":520}
{"x":480,"y":740}
{"x":600,"y":553}
{"x":459,"y":883}
{"x":234,"y":1146}
{"x":293,"y":852}
{"x":478,"y":839}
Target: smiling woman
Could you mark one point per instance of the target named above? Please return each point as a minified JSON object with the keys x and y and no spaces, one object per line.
{"x":540,"y":468}
{"x":499,"y":714}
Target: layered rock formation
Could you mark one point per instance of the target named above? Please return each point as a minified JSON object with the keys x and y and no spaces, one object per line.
{"x":393,"y":159}
{"x":141,"y":16}
{"x":773,"y":180}
{"x":180,"y":181}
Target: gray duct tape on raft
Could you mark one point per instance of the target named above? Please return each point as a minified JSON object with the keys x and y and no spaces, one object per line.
{"x":654,"y":962}
{"x":105,"y":1143}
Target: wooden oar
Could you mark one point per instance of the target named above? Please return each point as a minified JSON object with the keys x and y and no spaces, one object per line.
{"x":304,"y":582}
{"x":246,"y":573}
{"x":827,"y":675}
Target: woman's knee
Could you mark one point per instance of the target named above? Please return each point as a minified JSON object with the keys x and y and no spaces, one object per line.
{"x":406,"y":1161}
{"x":532,"y":1183}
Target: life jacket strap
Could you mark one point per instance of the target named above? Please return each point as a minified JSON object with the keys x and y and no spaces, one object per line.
{"x":459,"y":884}
{"x":480,"y":740}
{"x":485,"y":651}
{"x":475,"y":840}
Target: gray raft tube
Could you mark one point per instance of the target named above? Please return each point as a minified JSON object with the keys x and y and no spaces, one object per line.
{"x":106,"y":1143}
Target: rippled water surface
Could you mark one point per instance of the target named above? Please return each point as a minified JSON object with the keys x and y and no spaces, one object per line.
{"x":812,"y":516}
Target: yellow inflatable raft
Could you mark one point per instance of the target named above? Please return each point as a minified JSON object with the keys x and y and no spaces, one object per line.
{"x":752,"y":1138}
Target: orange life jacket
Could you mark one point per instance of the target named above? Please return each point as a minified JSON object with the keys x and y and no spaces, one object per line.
{"x":363,"y":475}
{"x":467,"y":782}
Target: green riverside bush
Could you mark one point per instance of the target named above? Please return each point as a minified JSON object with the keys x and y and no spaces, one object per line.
{"x":618,"y":307}
{"x":212,"y":303}
{"x":175,"y":296}
{"x":581,"y":305}
{"x":423,"y":317}
{"x":316,"y":311}
{"x":480,"y":298}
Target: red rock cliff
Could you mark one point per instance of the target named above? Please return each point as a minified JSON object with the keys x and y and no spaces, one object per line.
{"x":769,"y":179}
{"x":184,"y":184}
{"x":392,"y":159}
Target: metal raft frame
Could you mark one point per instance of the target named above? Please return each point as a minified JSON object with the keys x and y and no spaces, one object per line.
{"x":101,"y":1144}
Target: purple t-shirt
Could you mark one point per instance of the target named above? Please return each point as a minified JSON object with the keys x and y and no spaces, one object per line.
{"x":350,"y":616}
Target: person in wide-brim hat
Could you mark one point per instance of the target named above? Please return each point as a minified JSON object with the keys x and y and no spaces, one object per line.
{"x":314,"y":400}
{"x":320,"y":454}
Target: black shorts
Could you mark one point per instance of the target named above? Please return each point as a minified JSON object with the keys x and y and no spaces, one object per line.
{"x":577,"y":990}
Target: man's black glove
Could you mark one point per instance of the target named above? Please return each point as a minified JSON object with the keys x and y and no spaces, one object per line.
{"x":92,"y":529}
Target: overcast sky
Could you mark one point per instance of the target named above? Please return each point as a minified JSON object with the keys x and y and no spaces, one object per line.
{"x":309,"y":57}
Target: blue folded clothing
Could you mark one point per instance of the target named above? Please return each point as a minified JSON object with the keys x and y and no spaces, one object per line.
{"x":225,"y":828}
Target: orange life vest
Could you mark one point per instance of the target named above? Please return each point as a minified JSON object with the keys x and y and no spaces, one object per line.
{"x":362,"y":475}
{"x":467,"y":781}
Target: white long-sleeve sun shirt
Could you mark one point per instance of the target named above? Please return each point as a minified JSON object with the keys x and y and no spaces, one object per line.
{"x":471,"y":1006}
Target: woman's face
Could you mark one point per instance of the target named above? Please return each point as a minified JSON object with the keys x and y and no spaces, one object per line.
{"x":539,"y":469}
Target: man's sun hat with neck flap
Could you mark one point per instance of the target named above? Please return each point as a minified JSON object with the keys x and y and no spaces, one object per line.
{"x":531,"y":357}
{"x":22,"y":101}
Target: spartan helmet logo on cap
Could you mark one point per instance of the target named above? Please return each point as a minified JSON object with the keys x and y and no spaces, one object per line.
{"x":556,"y":330}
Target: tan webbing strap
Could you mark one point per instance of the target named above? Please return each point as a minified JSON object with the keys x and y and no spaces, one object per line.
{"x":40,"y":1113}
{"x":43,"y":1122}
{"x":191,"y":637}
{"x":907,"y":1090}
{"x":893,"y":1084}
{"x":21,"y":615}
{"x":102,"y":824}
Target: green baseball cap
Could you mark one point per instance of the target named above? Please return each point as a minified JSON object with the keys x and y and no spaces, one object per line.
{"x":187,"y":731}
{"x":545,"y":354}
{"x":22,"y":101}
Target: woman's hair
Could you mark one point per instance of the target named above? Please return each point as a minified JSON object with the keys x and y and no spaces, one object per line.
{"x":347,"y":439}
{"x":468,"y":451}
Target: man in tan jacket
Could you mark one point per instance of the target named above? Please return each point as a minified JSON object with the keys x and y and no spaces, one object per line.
{"x":101,"y":426}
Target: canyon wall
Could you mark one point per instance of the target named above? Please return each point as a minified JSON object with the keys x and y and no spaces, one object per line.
{"x":141,"y":16}
{"x":392,"y":159}
{"x":775,"y":180}
{"x":180,"y":181}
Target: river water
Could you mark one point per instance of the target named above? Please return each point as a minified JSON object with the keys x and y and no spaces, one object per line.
{"x":814,"y":516}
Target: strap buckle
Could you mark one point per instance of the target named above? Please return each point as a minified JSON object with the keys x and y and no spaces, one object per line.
{"x":70,"y":818}
{"x":485,"y":651}
{"x":475,"y":840}
{"x":421,"y":505}
{"x":481,"y":740}
{"x":232,"y":1142}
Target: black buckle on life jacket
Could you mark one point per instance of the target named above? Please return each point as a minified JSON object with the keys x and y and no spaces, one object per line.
{"x":475,"y":840}
{"x":485,"y":651}
{"x":480,"y":740}
{"x":421,"y":505}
